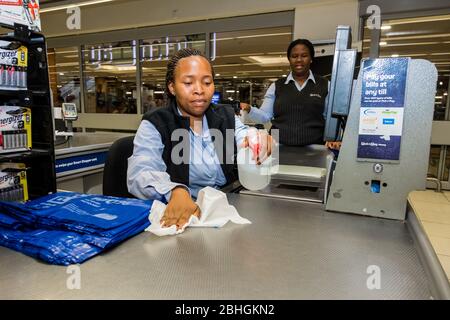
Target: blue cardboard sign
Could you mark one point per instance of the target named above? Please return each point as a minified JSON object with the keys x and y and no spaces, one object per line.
{"x":388,"y":121}
{"x":80,"y":162}
{"x":381,"y":113}
{"x":384,"y":82}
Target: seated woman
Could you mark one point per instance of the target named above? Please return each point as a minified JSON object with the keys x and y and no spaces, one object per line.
{"x":175,"y":153}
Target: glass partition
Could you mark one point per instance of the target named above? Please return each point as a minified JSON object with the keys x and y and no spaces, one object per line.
{"x":110,"y":77}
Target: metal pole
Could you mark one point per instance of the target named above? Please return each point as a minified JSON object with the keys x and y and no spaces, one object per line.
{"x":251,"y":92}
{"x":82,"y":84}
{"x":138,"y":78}
{"x":443,"y":154}
{"x":375,"y":37}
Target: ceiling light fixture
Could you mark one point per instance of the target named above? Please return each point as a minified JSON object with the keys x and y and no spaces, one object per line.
{"x":267,"y":60}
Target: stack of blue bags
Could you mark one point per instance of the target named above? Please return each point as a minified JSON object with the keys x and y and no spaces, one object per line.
{"x":68,"y":228}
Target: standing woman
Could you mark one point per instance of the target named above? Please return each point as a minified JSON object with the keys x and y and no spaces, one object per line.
{"x":296,"y":104}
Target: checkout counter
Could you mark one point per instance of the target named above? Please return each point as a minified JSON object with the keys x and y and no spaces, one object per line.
{"x":292,"y":250}
{"x":80,"y":157}
{"x":80,"y":161}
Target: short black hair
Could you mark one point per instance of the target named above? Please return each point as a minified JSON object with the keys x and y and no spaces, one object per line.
{"x":173,"y":62}
{"x":304,"y":42}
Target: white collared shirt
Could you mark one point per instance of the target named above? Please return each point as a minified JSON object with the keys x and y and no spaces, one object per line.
{"x":265,"y":113}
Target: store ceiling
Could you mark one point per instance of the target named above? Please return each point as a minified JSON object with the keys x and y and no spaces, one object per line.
{"x":419,"y":38}
{"x":235,"y":57}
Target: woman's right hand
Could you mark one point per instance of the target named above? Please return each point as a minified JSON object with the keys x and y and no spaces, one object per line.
{"x":179,"y":209}
{"x":245,"y":106}
{"x":261,"y":144}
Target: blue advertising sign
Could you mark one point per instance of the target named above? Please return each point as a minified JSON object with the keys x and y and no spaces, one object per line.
{"x":80,"y":162}
{"x":381,"y":113}
{"x":384,"y":82}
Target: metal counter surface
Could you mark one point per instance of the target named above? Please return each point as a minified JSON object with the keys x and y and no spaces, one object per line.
{"x":88,"y":141}
{"x":291,"y":250}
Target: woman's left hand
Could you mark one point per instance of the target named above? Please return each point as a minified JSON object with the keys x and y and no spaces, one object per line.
{"x":334,"y":145}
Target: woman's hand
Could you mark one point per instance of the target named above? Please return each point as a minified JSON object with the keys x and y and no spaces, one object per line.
{"x":261,"y":143}
{"x":245,"y":106}
{"x":334,"y":145}
{"x":179,"y":209}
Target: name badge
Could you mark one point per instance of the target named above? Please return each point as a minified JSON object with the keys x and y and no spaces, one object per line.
{"x":315,"y":95}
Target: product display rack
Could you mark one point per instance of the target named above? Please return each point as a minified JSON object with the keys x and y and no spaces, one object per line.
{"x":40,"y":160}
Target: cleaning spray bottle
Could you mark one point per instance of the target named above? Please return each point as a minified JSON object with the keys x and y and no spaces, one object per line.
{"x":253,"y":176}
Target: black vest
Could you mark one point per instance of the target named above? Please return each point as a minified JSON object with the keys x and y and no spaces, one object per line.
{"x":299,"y":115}
{"x":166,"y":120}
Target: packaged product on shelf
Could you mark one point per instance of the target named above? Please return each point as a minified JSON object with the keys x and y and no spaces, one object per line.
{"x":13,"y":182}
{"x":13,"y":68}
{"x":24,"y":12}
{"x":15,"y":129}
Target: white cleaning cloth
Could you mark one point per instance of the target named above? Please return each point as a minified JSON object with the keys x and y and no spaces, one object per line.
{"x":215,"y":212}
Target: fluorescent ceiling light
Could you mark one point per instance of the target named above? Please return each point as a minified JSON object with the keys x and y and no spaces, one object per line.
{"x":67,"y":64}
{"x":424,"y":36}
{"x":439,"y":53}
{"x":420,"y":19}
{"x":71,"y":56}
{"x":256,"y":36}
{"x":73,"y":5}
{"x":404,"y":55}
{"x":385,"y":27}
{"x":410,"y":44}
{"x":395,"y":55}
{"x":383,"y":43}
{"x":240,"y":55}
{"x":267,"y":60}
{"x":117,"y":68}
{"x":417,"y":20}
